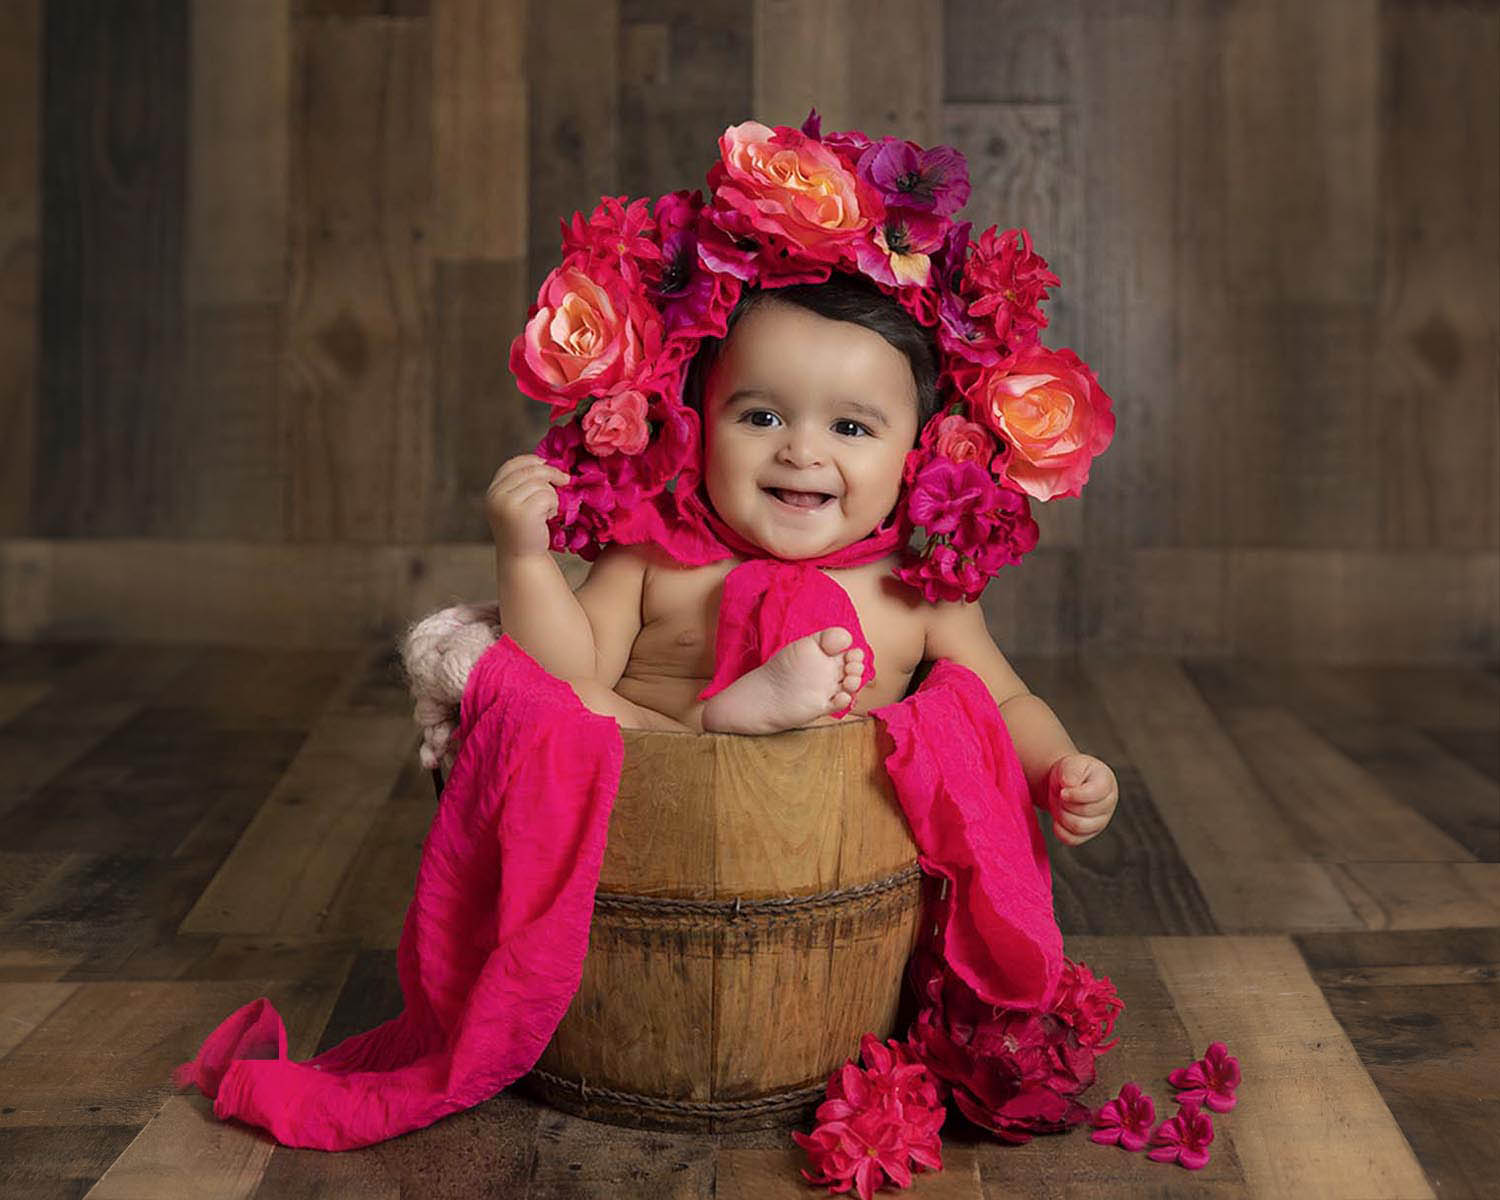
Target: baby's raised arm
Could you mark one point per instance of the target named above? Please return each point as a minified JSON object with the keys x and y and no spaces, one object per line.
{"x":577,"y":637}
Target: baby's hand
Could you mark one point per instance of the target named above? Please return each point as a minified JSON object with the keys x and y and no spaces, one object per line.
{"x":521,"y":498}
{"x":1081,"y":796}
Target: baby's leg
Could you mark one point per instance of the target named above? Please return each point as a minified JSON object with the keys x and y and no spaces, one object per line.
{"x":804,"y":680}
{"x":607,"y":702}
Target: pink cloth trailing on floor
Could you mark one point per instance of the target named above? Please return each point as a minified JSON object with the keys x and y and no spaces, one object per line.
{"x":493,"y":944}
{"x":492,"y":948}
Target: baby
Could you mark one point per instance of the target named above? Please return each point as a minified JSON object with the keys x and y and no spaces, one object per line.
{"x":809,"y":406}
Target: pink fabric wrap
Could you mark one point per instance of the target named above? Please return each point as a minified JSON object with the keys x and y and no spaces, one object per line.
{"x":492,"y":949}
{"x":767,"y":604}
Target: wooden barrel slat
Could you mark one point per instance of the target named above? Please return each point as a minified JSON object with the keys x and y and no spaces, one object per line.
{"x":704,"y":1016}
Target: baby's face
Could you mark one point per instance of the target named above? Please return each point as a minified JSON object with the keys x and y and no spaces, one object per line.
{"x":804,"y":403}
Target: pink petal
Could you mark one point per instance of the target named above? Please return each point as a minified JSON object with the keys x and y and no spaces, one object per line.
{"x":897,"y":1170}
{"x":1191,"y":1076}
{"x":1164,"y":1154}
{"x":1107,"y":1137}
{"x":1133,"y":1139}
{"x":1193,"y":1159}
{"x":1220,"y":1101}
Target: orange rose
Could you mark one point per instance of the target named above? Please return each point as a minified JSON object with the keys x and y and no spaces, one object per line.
{"x":1054,"y":414}
{"x":589,"y":332}
{"x":783,"y":183}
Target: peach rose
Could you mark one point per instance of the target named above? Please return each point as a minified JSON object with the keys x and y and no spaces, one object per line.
{"x":617,"y":422}
{"x":589,"y":331}
{"x":783,"y":183}
{"x":1054,"y":414}
{"x":963,"y":441}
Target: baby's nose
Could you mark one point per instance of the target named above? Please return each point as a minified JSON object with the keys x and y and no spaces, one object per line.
{"x":800,"y":449}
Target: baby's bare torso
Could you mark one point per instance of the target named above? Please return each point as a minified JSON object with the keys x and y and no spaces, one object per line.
{"x":672,"y":659}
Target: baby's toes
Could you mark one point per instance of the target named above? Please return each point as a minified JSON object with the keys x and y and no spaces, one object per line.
{"x":834,"y":640}
{"x":854,"y":674}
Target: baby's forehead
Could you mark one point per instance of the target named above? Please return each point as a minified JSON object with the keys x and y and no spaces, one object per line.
{"x":810,"y":360}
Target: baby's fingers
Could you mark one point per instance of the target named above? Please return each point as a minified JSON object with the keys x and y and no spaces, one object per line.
{"x":1072,"y":830}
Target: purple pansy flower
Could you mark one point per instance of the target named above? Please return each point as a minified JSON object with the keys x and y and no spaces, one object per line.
{"x":907,"y":176}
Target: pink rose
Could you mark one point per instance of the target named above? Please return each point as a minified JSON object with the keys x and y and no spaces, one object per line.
{"x":1054,"y":414}
{"x":963,"y":441}
{"x":589,"y":331}
{"x":617,"y":423}
{"x":781,"y":184}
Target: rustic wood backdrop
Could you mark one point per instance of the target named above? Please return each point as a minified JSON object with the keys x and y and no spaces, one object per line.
{"x":261,"y":260}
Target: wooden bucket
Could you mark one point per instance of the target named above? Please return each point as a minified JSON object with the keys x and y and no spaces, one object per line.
{"x":757,"y":903}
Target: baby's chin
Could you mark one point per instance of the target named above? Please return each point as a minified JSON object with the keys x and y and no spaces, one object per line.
{"x":797,"y":550}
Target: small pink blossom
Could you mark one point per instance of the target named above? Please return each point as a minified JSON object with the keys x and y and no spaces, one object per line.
{"x":962,"y":440}
{"x":1184,"y":1139}
{"x":1125,"y":1120}
{"x":617,"y":423}
{"x":1210,"y":1081}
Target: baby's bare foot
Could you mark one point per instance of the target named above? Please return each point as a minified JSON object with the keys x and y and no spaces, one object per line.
{"x":804,"y":680}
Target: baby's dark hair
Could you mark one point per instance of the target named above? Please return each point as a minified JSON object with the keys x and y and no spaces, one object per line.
{"x":842,"y":298}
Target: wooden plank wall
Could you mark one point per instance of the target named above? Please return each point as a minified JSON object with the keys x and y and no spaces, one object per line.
{"x":260,"y":265}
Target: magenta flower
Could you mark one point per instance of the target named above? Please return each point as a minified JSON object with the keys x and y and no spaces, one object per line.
{"x":935,"y":180}
{"x":1184,"y":1138}
{"x":945,"y":490}
{"x":694,"y":300}
{"x":1126,"y":1120}
{"x":1210,"y":1081}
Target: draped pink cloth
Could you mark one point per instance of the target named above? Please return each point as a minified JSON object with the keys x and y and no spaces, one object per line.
{"x":492,"y":948}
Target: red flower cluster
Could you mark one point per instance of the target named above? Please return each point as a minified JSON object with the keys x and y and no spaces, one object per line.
{"x":608,"y":341}
{"x":1015,"y":1072}
{"x":1127,"y":1120}
{"x":876,"y":1123}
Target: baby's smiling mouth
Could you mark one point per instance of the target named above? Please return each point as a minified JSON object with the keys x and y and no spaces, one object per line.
{"x":803,"y":500}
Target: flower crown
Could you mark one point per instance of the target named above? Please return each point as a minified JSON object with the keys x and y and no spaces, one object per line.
{"x":616,"y":325}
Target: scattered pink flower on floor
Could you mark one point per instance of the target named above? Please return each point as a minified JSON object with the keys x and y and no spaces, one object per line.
{"x":1210,"y":1081}
{"x":1184,"y":1139}
{"x":1126,"y":1120}
{"x":875,"y":1122}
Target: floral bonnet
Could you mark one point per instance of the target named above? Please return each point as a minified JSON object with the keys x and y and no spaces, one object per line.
{"x":614,"y":328}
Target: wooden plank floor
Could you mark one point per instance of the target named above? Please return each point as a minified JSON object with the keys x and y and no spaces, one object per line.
{"x":1305,"y":864}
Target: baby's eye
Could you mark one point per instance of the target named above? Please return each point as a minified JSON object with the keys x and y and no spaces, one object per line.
{"x":857,"y":430}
